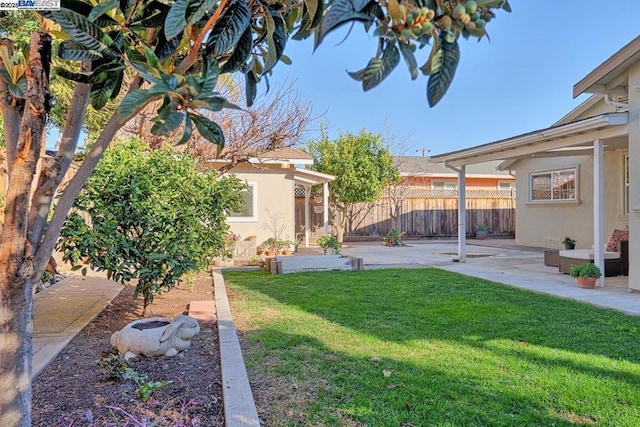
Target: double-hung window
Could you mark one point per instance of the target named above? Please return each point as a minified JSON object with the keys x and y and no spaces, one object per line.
{"x":551,"y":186}
{"x":248,"y":211}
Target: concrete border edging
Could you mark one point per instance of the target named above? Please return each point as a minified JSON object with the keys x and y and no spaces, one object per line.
{"x":239,"y":406}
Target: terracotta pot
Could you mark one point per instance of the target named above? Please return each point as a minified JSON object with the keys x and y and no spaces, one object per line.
{"x":287,"y":252}
{"x":269,"y":253}
{"x":586,"y":283}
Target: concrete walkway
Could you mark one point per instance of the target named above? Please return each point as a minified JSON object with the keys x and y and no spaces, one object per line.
{"x":500,"y":261}
{"x":61,"y":311}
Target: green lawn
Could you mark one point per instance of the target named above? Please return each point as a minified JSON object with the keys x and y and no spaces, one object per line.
{"x":428,"y":347}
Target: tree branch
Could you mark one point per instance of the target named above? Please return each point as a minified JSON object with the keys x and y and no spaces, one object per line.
{"x":53,"y":171}
{"x":44,"y":250}
{"x":192,"y":56}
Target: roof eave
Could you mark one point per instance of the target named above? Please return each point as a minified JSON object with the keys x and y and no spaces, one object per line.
{"x":581,"y":126}
{"x":591,"y":83}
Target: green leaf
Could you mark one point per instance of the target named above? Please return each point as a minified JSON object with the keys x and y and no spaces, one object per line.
{"x":101,"y":92}
{"x":188,"y":130}
{"x":167,"y":120}
{"x":286,"y":60}
{"x":506,"y":6}
{"x":340,"y":12}
{"x":202,"y":9}
{"x":76,"y":77}
{"x":83,"y":31}
{"x":409,"y":59}
{"x":208,"y":129}
{"x":251,"y":87}
{"x":210,"y":73}
{"x":176,"y":20}
{"x":443,"y":69}
{"x":17,"y":91}
{"x":228,"y":29}
{"x":102,"y":8}
{"x":312,"y":6}
{"x":134,"y":102}
{"x":165,"y":48}
{"x":378,"y":68}
{"x":240,"y":54}
{"x":73,"y":51}
{"x":151,"y":57}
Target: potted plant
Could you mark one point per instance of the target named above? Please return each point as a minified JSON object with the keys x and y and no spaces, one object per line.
{"x":271,"y":245}
{"x":481,"y":231}
{"x":586,"y":275}
{"x":569,"y":243}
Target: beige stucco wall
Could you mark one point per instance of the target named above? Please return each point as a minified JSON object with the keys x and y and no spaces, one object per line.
{"x":274,"y":187}
{"x":599,"y":108}
{"x":546,"y":224}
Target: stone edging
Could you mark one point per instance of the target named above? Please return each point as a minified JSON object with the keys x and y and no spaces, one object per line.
{"x":239,"y":406}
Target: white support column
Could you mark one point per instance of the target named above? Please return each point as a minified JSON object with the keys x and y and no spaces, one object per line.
{"x":325,"y":213}
{"x":598,"y":207}
{"x":462,"y":215}
{"x":307,"y":217}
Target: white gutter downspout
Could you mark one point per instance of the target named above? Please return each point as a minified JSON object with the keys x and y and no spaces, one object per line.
{"x":462,"y":223}
{"x":598,"y":208}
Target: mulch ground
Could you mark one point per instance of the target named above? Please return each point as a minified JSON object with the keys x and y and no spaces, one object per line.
{"x":74,"y":391}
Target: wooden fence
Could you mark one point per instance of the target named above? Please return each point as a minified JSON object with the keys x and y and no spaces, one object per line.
{"x":423,"y":216}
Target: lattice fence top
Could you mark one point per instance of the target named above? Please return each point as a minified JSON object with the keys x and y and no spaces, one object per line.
{"x":414,"y":192}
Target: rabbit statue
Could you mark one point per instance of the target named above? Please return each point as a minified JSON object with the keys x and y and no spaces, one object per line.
{"x":155,"y":336}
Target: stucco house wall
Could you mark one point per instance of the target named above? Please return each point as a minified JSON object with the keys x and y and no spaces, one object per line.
{"x":273,"y":187}
{"x":546,"y":224}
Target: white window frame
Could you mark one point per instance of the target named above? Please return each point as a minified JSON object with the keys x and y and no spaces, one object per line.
{"x":576,"y":172}
{"x":446,"y":185}
{"x":254,"y":217}
{"x":511,"y":184}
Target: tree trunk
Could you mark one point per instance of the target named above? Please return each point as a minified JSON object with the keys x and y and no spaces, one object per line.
{"x":16,"y":269}
{"x":16,"y":308}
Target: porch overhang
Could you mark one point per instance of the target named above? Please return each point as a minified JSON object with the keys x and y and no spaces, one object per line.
{"x":309,"y":177}
{"x":567,"y":139}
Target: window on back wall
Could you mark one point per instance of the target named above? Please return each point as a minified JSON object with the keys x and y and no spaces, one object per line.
{"x":249,"y":207}
{"x":555,"y":185}
{"x":444,"y":185}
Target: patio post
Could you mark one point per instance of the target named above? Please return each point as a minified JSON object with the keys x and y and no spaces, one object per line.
{"x":598,"y":207}
{"x":307,"y":190}
{"x":462,"y":215}
{"x":325,"y":213}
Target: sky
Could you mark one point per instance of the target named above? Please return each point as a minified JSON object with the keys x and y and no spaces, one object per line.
{"x":520,"y":81}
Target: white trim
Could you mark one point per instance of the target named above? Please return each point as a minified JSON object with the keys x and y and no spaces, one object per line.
{"x":254,"y":197}
{"x":575,"y":133}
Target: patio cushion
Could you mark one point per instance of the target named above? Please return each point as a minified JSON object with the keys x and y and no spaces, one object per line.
{"x":617,"y":236}
{"x":587,"y":254}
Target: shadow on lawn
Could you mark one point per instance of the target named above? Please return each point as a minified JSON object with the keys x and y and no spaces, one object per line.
{"x":399,"y":305}
{"x":338,"y":387}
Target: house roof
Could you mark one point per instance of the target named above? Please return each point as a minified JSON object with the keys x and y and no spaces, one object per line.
{"x":424,"y":166}
{"x":611,"y":76}
{"x":567,"y":139}
{"x":284,"y":155}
